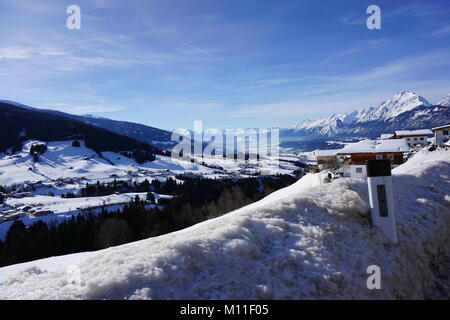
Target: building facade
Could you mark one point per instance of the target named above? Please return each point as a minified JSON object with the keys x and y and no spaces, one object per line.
{"x":414,"y":137}
{"x":441,"y":134}
{"x":353,"y":158}
{"x":326,"y":159}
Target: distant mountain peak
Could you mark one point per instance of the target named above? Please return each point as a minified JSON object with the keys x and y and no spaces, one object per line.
{"x":445,"y":101}
{"x":399,"y":103}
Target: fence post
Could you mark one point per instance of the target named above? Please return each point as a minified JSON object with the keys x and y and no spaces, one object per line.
{"x":379,"y":180}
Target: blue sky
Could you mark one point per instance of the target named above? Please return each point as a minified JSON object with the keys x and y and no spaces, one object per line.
{"x":229,"y":63}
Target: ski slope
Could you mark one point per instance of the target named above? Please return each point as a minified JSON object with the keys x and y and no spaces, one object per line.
{"x":311,"y":240}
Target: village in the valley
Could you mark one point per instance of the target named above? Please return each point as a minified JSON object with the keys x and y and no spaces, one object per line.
{"x":350,"y":161}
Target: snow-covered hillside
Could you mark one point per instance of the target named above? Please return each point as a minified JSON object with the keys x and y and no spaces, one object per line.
{"x":62,"y":160}
{"x":309,"y":240}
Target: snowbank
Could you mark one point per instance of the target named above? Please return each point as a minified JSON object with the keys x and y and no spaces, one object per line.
{"x":307,"y":241}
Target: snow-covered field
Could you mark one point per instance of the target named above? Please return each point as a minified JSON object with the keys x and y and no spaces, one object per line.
{"x":64,"y":168}
{"x":62,"y":160}
{"x":311,"y":240}
{"x":56,"y":209}
{"x":266,"y":166}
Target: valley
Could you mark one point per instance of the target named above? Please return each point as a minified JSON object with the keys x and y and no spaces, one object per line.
{"x":82,"y":184}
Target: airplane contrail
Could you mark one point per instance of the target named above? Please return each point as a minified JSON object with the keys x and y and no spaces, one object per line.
{"x":209,"y":54}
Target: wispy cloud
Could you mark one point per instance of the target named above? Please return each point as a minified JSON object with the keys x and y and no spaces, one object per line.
{"x":209,"y":54}
{"x":406,"y":67}
{"x":308,"y":105}
{"x":278,"y":81}
{"x":445,"y":31}
{"x":352,"y":19}
{"x":170,"y":61}
{"x":356,"y":90}
{"x":421,"y":9}
{"x":417,"y":9}
{"x":360,"y":46}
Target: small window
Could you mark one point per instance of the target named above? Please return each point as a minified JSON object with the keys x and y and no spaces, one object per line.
{"x":415,"y":139}
{"x":421,"y":139}
{"x":407,"y":139}
{"x":390,"y":156}
{"x":358,"y":170}
{"x":445,"y":132}
{"x":379,"y":157}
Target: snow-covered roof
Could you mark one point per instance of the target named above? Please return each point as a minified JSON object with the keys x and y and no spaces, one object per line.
{"x":386,"y":135}
{"x":421,"y":132}
{"x":326,"y":153}
{"x":376,"y":146}
{"x":441,"y":127}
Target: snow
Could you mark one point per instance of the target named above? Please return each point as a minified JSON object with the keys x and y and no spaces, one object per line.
{"x":64,"y":208}
{"x":376,"y":146}
{"x":50,"y":264}
{"x":398,"y":104}
{"x":326,"y":153}
{"x":420,"y":132}
{"x":384,"y":136}
{"x":62,"y":160}
{"x":442,"y":127}
{"x":268,"y":165}
{"x":59,"y":205}
{"x":328,"y":125}
{"x":307,"y":241}
{"x":445,"y":101}
{"x":422,"y":159}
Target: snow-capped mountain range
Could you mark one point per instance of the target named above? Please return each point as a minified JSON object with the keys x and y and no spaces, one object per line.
{"x":419,"y":113}
{"x":404,"y":110}
{"x":445,"y":101}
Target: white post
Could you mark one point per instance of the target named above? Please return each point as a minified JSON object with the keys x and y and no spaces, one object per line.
{"x":381,"y":198}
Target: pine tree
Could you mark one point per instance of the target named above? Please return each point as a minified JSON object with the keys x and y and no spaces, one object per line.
{"x":76,"y":144}
{"x":113,"y":232}
{"x":150,"y":197}
{"x":16,"y":244}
